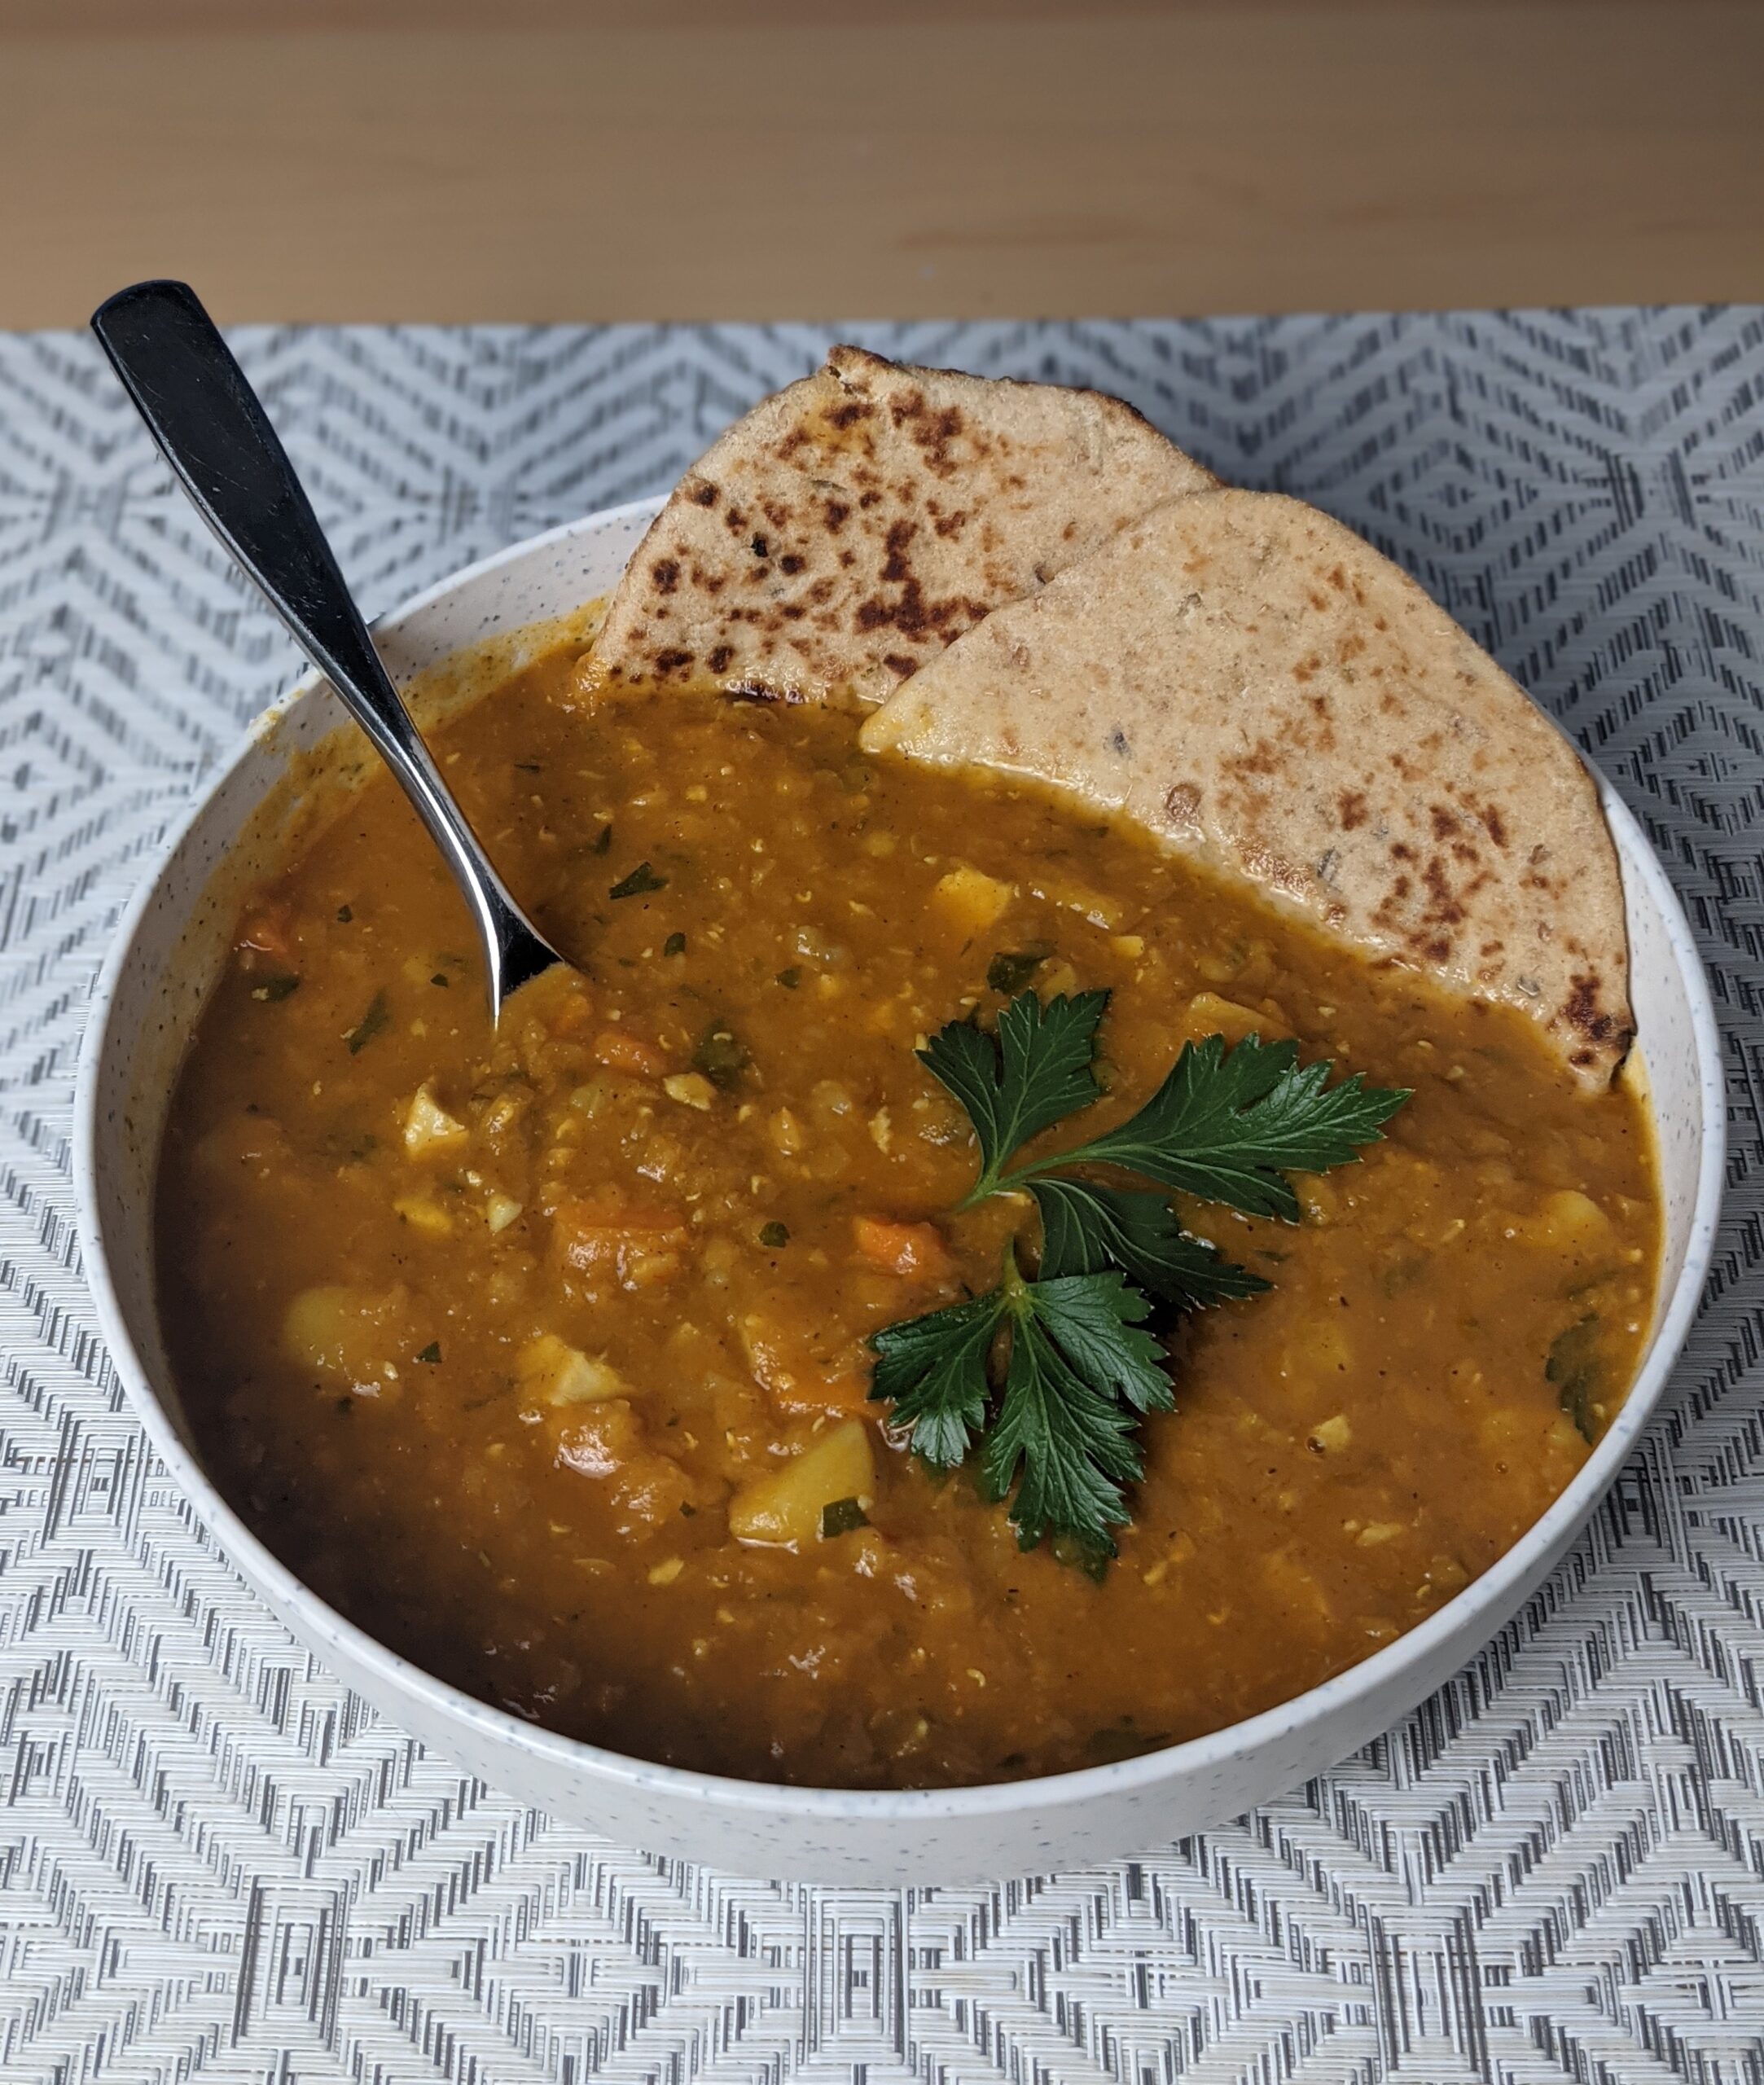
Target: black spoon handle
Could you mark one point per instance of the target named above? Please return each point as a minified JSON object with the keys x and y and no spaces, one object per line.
{"x":213,"y":431}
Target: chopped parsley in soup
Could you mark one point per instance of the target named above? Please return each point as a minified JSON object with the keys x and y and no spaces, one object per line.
{"x":585,"y":1362}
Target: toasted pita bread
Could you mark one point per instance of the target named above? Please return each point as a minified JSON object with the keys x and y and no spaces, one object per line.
{"x":852,"y":526}
{"x":1258,"y":688}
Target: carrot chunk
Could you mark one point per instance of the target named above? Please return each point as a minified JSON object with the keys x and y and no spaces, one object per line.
{"x":912,"y":1250}
{"x":619,"y":1052}
{"x":801,"y":1368}
{"x":633,"y":1248}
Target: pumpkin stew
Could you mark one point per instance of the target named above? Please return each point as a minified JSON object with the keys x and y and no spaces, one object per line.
{"x":545,"y":1354}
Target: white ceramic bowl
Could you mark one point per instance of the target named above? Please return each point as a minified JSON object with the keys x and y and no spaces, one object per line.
{"x":167,"y":956}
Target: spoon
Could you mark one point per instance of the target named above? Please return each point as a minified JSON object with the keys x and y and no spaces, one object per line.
{"x":211,"y":428}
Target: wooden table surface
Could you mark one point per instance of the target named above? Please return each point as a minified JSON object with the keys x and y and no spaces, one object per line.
{"x":531,"y":160}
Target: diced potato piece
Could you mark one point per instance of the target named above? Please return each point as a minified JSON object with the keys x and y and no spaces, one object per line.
{"x":551,"y":1368}
{"x":783,"y":1510}
{"x":1376,"y":1533}
{"x":602,"y":1441}
{"x":1443,"y":1576}
{"x":692,"y":1089}
{"x":1571,"y":1223}
{"x":1330,"y":1436}
{"x":718,"y":1256}
{"x":504,"y":1113}
{"x":831,"y":1101}
{"x":318,"y":1325}
{"x":971,"y":899}
{"x":423,"y":1213}
{"x":358,"y":1335}
{"x":1210,"y":1015}
{"x":429,"y":1130}
{"x":501,"y":1210}
{"x":1302,"y":1600}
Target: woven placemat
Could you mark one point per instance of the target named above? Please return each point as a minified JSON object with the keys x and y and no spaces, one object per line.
{"x":216,"y":1864}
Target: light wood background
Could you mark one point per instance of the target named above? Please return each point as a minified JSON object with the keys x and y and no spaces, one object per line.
{"x":528,"y":159}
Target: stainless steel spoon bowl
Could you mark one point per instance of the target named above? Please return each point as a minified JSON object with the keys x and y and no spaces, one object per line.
{"x":212,"y":428}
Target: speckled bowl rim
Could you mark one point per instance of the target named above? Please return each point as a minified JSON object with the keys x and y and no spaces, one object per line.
{"x":789,"y":1802}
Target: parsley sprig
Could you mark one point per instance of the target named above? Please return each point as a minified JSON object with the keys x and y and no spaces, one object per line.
{"x":1048,"y":1378}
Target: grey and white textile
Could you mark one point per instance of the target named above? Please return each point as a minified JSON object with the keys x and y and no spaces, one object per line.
{"x":216,"y":1865}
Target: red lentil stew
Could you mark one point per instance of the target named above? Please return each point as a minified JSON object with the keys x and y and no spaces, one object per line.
{"x":544,"y":1355}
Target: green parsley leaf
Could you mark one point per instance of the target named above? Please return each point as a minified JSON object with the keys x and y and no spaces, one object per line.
{"x":932,"y":1370}
{"x":1033,"y":1071}
{"x":1011,"y":969}
{"x":721,"y":1056}
{"x":1095,"y":1562}
{"x":1063,"y":1441}
{"x":275,"y":990}
{"x":1050,"y":1379}
{"x":775,"y":1235}
{"x":1080,"y":1371}
{"x":1095,"y":1319}
{"x":603,"y":842}
{"x":1087,"y":1228}
{"x":642,"y":879}
{"x":1575,"y":1367}
{"x":842,"y":1517}
{"x":674,"y":945}
{"x":431,"y":1352}
{"x":1228,"y":1125}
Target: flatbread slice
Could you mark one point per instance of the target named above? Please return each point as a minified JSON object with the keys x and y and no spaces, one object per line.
{"x":852,"y":524}
{"x":1258,"y":688}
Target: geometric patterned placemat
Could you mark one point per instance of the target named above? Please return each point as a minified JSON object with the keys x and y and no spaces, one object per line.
{"x":216,"y":1865}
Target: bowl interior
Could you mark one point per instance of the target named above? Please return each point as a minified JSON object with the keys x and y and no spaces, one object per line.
{"x":175,"y":940}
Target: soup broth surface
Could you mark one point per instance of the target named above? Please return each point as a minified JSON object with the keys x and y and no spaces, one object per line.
{"x":502,"y":1342}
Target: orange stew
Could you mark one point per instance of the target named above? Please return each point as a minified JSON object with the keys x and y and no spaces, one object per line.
{"x":543,"y":1354}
